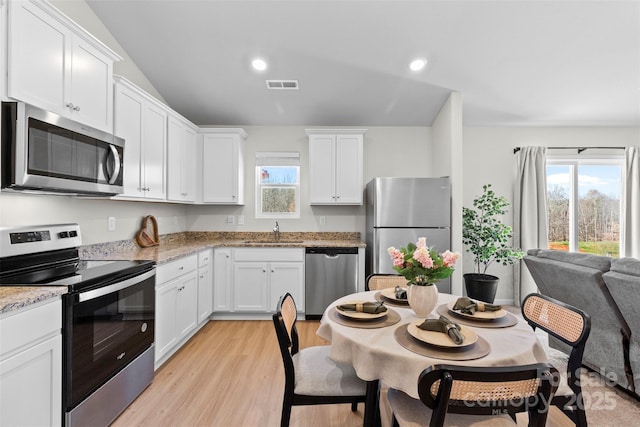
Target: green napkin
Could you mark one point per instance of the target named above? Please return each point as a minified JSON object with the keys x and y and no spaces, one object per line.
{"x":365,"y":307}
{"x":400,"y":293}
{"x":445,"y":326}
{"x":469,"y":306}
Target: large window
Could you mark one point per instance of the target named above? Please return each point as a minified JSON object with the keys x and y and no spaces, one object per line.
{"x":583,"y":202}
{"x":277,"y":185}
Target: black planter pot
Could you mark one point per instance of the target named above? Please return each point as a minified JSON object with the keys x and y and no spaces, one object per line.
{"x":481,"y":287}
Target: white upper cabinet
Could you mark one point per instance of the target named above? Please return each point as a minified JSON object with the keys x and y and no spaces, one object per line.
{"x":142,"y":122}
{"x":56,"y":65}
{"x":223,"y":166}
{"x":336,"y":166}
{"x":181,"y":171}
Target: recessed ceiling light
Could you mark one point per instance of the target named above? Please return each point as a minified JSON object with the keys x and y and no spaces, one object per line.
{"x":259,"y":64}
{"x":418,"y":64}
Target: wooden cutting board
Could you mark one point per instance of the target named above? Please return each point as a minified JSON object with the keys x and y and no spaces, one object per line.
{"x":148,"y":234}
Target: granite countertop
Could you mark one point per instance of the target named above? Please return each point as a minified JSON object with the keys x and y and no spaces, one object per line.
{"x":16,"y":297}
{"x":171,"y":247}
{"x":177,"y":245}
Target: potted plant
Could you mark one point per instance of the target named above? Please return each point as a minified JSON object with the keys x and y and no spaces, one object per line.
{"x":487,"y":238}
{"x":423,"y":267}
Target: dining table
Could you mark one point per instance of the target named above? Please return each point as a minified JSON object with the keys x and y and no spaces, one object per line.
{"x":386,"y":349}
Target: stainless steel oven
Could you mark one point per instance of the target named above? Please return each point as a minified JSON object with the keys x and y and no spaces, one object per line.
{"x":108,"y":318}
{"x":44,"y":152}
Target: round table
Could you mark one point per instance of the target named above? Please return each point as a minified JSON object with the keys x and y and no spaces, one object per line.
{"x":376,"y":355}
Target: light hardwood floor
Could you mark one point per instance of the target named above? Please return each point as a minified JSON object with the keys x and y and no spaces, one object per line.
{"x":231,"y":374}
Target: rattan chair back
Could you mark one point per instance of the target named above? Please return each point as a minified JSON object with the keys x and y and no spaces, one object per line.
{"x":571,"y":326}
{"x":488,"y":390}
{"x":376,"y":282}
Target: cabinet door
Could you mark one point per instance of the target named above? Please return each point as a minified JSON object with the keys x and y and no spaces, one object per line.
{"x":31,"y":386}
{"x":154,"y":149}
{"x":205,"y":293}
{"x":181,"y":146}
{"x":286,"y":277}
{"x":128,"y":125}
{"x":166,"y":329}
{"x":348,"y":160}
{"x":220,"y":173}
{"x":38,"y":53}
{"x":222,"y":281}
{"x":91,"y":88}
{"x":250,"y":286}
{"x":322,"y":169}
{"x":187,"y":304}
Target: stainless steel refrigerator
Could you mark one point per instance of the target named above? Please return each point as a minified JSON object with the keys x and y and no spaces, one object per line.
{"x":399,"y":211}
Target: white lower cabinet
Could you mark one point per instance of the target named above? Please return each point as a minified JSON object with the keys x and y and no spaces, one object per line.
{"x":176,"y":305}
{"x":222,"y":281}
{"x":205,"y":285}
{"x":31,"y":366}
{"x":262,"y":275}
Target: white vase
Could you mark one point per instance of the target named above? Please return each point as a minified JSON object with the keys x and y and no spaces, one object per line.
{"x":422,"y":299}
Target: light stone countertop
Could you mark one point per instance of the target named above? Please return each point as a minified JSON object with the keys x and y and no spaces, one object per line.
{"x":172,"y":247}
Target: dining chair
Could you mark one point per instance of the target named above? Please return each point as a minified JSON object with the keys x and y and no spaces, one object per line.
{"x":453,"y":395}
{"x":571,"y":326}
{"x":376,"y":282}
{"x":311,"y":377}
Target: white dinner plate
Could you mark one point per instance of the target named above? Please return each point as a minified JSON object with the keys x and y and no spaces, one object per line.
{"x":441,"y":339}
{"x":359,"y":315}
{"x":478,"y":315}
{"x":390,"y":294}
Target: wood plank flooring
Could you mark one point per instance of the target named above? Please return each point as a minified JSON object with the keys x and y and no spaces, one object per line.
{"x":230,"y":374}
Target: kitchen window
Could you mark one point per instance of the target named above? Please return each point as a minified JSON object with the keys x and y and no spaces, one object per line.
{"x":278,"y":185}
{"x":584,"y":204}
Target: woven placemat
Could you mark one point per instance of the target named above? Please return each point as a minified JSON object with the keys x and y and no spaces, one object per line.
{"x":502,"y":322}
{"x":474,"y":351}
{"x":391,"y":318}
{"x":380,"y":298}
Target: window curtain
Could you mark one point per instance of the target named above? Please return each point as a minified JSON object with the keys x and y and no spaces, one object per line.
{"x":631,"y":204}
{"x":529,"y":213}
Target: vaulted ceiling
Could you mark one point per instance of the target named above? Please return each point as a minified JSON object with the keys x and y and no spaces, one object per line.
{"x":517,"y":63}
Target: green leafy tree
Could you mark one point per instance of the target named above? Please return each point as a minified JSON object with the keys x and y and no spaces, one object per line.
{"x":486,"y":236}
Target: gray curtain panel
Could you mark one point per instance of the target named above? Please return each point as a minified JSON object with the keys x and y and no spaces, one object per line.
{"x":529,"y":213}
{"x":631,"y":204}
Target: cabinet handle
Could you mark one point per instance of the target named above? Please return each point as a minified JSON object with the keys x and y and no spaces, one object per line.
{"x":181,"y":268}
{"x":264,"y":271}
{"x":202,"y":277}
{"x":76,"y":108}
{"x":273,"y":271}
{"x":70,"y":106}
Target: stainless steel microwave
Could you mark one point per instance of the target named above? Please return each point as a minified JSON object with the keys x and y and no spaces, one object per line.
{"x":44,"y":152}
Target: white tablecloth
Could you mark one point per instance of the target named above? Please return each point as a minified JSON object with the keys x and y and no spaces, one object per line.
{"x":376,"y":355}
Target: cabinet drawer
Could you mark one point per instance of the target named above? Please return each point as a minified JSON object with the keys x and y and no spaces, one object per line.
{"x":29,"y":326}
{"x":177,"y":268}
{"x":268,"y":254}
{"x":204,"y":258}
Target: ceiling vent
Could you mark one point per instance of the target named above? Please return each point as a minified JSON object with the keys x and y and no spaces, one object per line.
{"x":282,"y":84}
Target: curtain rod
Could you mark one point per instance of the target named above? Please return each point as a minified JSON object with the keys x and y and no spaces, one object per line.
{"x":580,"y":149}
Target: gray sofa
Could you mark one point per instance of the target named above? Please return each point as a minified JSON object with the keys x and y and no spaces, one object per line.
{"x":605,"y":289}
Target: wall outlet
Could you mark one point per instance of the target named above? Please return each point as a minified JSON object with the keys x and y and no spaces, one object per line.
{"x":111,"y":223}
{"x":323,"y":220}
{"x":230,"y":219}
{"x":240,"y":219}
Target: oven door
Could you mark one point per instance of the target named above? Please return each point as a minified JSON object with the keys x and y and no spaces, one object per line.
{"x":106,"y":328}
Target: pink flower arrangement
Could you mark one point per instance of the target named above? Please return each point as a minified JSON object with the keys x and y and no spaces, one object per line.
{"x":422,"y":265}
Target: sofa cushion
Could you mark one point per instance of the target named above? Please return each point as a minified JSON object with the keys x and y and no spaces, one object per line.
{"x":630,"y":266}
{"x":598,"y":262}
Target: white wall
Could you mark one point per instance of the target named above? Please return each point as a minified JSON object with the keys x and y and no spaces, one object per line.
{"x":488,"y":159}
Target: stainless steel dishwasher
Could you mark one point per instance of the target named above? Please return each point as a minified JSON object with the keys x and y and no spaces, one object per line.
{"x":330,"y":273}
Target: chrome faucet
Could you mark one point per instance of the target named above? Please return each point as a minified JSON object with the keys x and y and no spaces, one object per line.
{"x":276,"y":231}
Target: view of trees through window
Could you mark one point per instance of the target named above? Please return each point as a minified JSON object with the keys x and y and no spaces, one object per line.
{"x":278,"y":186}
{"x":583,"y":202}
